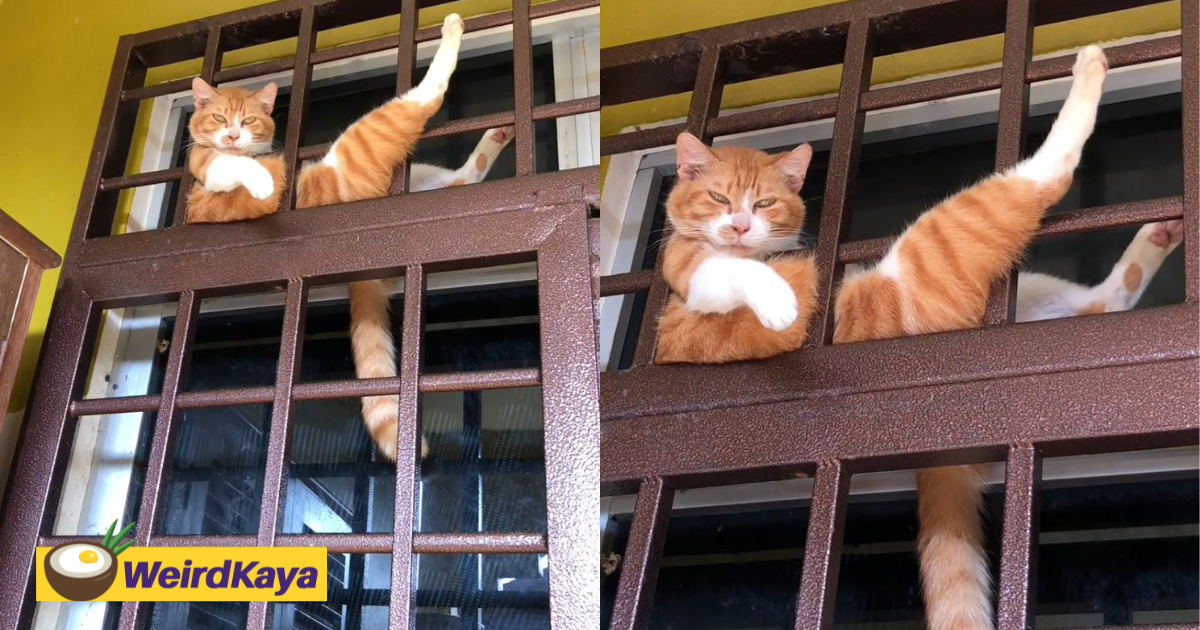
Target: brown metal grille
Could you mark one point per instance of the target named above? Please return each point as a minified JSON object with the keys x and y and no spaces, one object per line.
{"x":541,"y":217}
{"x":1114,"y":382}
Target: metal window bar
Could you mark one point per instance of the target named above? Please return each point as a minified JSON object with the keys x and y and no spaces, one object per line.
{"x":542,"y":217}
{"x":821,"y":409}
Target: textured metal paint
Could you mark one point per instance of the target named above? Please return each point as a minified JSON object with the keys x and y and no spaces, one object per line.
{"x":639,"y":566}
{"x":1001,"y":305}
{"x":823,"y":547}
{"x":1017,"y":590}
{"x":571,"y":418}
{"x":279,"y":436}
{"x":843,"y":171}
{"x":1110,"y":409}
{"x":208,"y":70}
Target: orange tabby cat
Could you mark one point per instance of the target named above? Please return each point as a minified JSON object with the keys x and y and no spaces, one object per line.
{"x":728,"y":211}
{"x":232,"y":128}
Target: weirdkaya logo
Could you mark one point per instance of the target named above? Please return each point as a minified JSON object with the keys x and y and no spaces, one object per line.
{"x":81,"y":570}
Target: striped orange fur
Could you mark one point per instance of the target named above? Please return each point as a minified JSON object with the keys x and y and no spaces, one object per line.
{"x":934,"y":278}
{"x":359,"y":165}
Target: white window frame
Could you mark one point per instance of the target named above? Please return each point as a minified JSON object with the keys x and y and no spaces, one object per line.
{"x":631,"y":190}
{"x":128,"y":337}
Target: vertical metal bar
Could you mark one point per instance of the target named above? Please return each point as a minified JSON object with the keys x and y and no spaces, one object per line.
{"x":843,"y":171}
{"x":166,"y":427}
{"x":823,"y":548}
{"x":212,"y":64}
{"x":298,"y":105}
{"x":1191,"y":148}
{"x":408,"y":452}
{"x":1010,"y":138}
{"x":110,"y":149}
{"x":279,"y":433}
{"x":705,"y":105}
{"x":639,"y":571}
{"x":406,"y":66}
{"x":69,"y":341}
{"x":571,"y":412}
{"x":523,"y":87}
{"x":1018,"y":562}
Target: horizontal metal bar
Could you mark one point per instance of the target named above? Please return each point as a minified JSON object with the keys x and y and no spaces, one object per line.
{"x":1143,"y":406}
{"x":471,"y":543}
{"x":789,"y":114}
{"x":641,"y":140}
{"x":1071,"y":222}
{"x":156,"y":90}
{"x":456,"y":382}
{"x":481,"y":380}
{"x":1036,"y":348}
{"x":106,"y":406}
{"x":989,"y":79}
{"x":622,"y":283}
{"x":225,"y":397}
{"x":423,"y":543}
{"x":443,"y":207}
{"x":142,"y":179}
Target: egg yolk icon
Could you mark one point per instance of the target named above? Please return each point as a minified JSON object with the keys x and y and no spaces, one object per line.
{"x":89,"y":556}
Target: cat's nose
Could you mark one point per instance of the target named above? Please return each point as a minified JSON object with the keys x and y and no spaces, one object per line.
{"x":741,"y":229}
{"x":234,"y":133}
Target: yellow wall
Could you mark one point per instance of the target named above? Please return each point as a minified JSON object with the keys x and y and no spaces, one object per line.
{"x":55,"y":56}
{"x":628,"y":21}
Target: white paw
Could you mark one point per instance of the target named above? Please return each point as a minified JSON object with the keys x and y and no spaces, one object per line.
{"x":258,"y":181}
{"x":222,"y":174}
{"x":452,"y":26}
{"x":773,"y":302}
{"x":712,"y":297}
{"x":1088,"y":56}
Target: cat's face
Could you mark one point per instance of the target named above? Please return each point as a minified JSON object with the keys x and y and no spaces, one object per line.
{"x":233,"y":120}
{"x":738,"y":199}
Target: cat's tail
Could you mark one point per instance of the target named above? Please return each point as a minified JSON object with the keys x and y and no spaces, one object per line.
{"x":954,"y":569}
{"x":364,"y":158}
{"x":375,"y":357}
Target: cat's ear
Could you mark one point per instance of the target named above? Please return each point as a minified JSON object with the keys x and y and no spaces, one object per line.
{"x":794,"y":165}
{"x":691,"y":155}
{"x":266,"y":96}
{"x":202,"y":93}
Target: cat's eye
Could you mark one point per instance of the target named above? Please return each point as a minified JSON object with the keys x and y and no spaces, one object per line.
{"x":765,"y":203}
{"x":219,"y":118}
{"x":717,"y":197}
{"x":249,"y":120}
